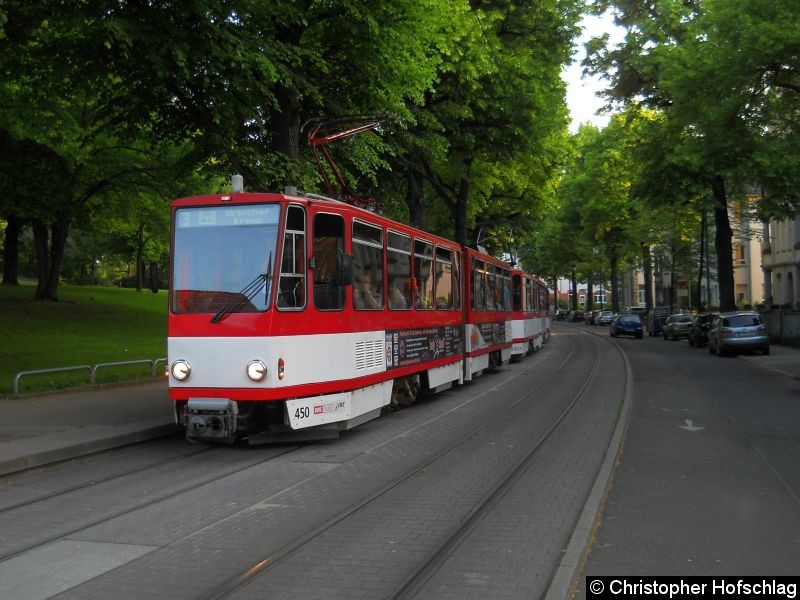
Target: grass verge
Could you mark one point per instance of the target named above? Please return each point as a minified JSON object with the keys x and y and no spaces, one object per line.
{"x":87,"y":326}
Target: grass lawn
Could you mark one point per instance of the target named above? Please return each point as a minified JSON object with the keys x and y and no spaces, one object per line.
{"x":87,"y":326}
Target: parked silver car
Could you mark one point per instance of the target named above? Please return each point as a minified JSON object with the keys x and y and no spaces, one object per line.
{"x":604,"y":318}
{"x":677,"y":326}
{"x":734,"y":331}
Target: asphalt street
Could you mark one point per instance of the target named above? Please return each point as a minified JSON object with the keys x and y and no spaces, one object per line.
{"x":708,"y":481}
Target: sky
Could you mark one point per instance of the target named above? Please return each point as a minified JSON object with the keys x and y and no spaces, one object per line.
{"x":581,"y":98}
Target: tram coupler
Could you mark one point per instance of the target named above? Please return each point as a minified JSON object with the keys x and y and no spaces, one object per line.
{"x":210,"y":418}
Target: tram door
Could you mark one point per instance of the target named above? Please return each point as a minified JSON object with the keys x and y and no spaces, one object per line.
{"x":328,"y":261}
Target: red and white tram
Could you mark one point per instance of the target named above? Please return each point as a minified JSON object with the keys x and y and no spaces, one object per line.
{"x":530,"y":325}
{"x":488,"y":313}
{"x":299,"y":312}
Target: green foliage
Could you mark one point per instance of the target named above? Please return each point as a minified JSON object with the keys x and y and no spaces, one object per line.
{"x":114,"y":107}
{"x":484,"y":139}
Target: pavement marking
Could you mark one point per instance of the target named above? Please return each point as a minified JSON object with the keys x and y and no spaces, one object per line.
{"x":690,"y":426}
{"x":51,"y":569}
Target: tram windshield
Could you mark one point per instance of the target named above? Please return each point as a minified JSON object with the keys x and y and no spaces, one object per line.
{"x":223,"y":257}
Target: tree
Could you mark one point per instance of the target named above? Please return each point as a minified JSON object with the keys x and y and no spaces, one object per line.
{"x":231,"y":81}
{"x":717,"y":69}
{"x":490,"y":129}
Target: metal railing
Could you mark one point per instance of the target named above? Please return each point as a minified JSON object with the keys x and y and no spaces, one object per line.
{"x":92,"y":369}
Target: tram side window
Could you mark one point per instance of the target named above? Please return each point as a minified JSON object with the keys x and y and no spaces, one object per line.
{"x":504,"y":285}
{"x":444,"y":279}
{"x":530,"y":295}
{"x":457,"y":281}
{"x":517,"y":291}
{"x":328,"y":248}
{"x":423,"y":270}
{"x":493,"y":289}
{"x":367,"y":266}
{"x":398,"y":263}
{"x":478,"y":285}
{"x":292,"y":284}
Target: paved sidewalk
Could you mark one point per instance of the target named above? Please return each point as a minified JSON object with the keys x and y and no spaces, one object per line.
{"x":39,"y":430}
{"x":782,"y":359}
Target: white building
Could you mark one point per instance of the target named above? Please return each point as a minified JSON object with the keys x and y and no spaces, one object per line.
{"x":781,"y":262}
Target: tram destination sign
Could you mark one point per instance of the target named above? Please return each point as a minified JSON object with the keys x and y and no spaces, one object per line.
{"x":227,"y":216}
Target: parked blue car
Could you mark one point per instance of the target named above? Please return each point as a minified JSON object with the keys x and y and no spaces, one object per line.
{"x":626,"y":324}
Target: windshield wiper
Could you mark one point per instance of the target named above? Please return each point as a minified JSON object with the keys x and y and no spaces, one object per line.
{"x":247,"y":293}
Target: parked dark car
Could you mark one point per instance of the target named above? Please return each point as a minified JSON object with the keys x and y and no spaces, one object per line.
{"x":677,"y":326}
{"x":698,"y":333}
{"x":575,"y":316}
{"x":734,"y":331}
{"x":656,"y":318}
{"x":591,"y":316}
{"x":625,"y":324}
{"x":561,"y":314}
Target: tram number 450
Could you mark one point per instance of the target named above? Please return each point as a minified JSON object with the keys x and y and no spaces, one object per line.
{"x":302,"y":412}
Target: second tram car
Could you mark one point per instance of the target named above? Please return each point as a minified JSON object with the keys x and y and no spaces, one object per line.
{"x":300,"y":312}
{"x":530,"y":325}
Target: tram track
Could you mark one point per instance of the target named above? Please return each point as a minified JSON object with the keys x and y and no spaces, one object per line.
{"x":431,"y":564}
{"x":7,"y":512}
{"x":93,"y":482}
{"x":431,"y":561}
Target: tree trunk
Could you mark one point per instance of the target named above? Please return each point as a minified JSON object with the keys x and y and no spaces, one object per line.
{"x":614,"y":267}
{"x":723,"y":245}
{"x":573,"y":300}
{"x":589,"y":305}
{"x":58,"y":242}
{"x":460,"y":216}
{"x":647,"y":266}
{"x":40,"y":242}
{"x":50,"y":259}
{"x":698,"y":295}
{"x":417,"y":209}
{"x":11,"y":251}
{"x":140,"y":258}
{"x":287,"y":128}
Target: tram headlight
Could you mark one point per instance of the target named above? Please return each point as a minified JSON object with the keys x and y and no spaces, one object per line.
{"x":181,"y":370}
{"x":256,"y":370}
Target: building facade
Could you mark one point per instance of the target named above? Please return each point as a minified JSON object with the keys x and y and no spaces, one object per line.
{"x":780,"y":257}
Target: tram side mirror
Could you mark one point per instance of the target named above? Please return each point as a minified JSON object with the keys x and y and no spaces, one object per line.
{"x":345,"y":268}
